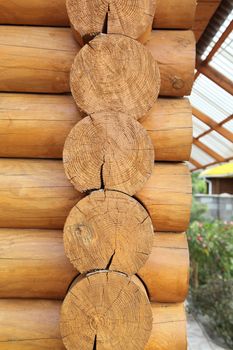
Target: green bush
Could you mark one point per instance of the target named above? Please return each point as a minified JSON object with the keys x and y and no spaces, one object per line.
{"x":211,"y":278}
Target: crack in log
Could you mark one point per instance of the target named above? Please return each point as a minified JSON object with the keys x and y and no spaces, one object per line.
{"x":95,"y":343}
{"x":102,"y":186}
{"x":110,"y":261}
{"x":105,"y":24}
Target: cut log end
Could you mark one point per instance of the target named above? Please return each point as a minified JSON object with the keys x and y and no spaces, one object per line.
{"x":108,"y":230}
{"x":115,"y":73}
{"x":108,"y":151}
{"x":106,"y":310}
{"x":91,"y":17}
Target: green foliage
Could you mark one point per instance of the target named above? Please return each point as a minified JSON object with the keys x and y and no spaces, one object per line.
{"x":198,"y":211}
{"x":198,"y":184}
{"x":211,"y":279}
{"x":214,"y":299}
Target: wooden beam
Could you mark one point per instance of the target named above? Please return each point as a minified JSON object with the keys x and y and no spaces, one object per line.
{"x":212,"y":124}
{"x":195,"y":163}
{"x":213,"y":163}
{"x":216,"y":77}
{"x":208,"y":150}
{"x":219,"y":43}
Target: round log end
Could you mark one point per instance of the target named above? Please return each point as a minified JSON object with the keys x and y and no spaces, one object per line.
{"x":108,"y":230}
{"x":115,"y":73}
{"x":106,"y":310}
{"x":108,"y":151}
{"x":91,"y":17}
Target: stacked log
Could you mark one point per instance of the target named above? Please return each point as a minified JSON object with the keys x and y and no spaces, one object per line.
{"x":36,"y":59}
{"x":120,"y":266}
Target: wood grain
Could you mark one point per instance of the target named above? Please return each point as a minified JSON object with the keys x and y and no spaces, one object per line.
{"x":110,"y":151}
{"x":105,"y":310}
{"x":100,"y":227}
{"x":36,"y":126}
{"x":115,"y":73}
{"x":89,"y":18}
{"x":36,"y":194}
{"x":33,"y":264}
{"x":37,"y":59}
{"x":169,"y":13}
{"x":34,"y":325}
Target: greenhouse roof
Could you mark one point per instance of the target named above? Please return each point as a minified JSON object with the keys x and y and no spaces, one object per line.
{"x":212,"y":95}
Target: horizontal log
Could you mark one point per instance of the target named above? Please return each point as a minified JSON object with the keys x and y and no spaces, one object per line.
{"x":36,"y":126}
{"x":34,"y":325}
{"x":37,"y":59}
{"x":169,"y":13}
{"x":37,"y":194}
{"x":108,"y":310}
{"x":33,"y":264}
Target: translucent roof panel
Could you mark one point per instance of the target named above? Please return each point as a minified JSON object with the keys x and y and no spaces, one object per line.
{"x":211,"y":99}
{"x":222,"y":61}
{"x":218,"y":143}
{"x":200,"y":156}
{"x":199,"y":127}
{"x":229,"y":126}
{"x":217,"y":35}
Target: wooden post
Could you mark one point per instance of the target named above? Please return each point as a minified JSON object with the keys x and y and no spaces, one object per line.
{"x":105,"y":309}
{"x":108,"y":150}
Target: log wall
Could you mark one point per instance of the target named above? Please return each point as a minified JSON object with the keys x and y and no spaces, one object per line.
{"x":34,"y":325}
{"x":37,"y":194}
{"x":36,"y":126}
{"x":36,"y":59}
{"x":33,"y":265}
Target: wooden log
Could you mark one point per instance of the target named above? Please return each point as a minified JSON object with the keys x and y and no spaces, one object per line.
{"x":167,"y":196}
{"x":33,"y":264}
{"x":169,"y":14}
{"x":108,"y":150}
{"x":176,"y":51}
{"x":166,"y":273}
{"x":89,"y":18}
{"x":37,"y":59}
{"x":36,"y":194}
{"x":105,"y":310}
{"x":101,"y":226}
{"x":174,"y":14}
{"x":36,"y":126}
{"x":34,"y":325}
{"x":109,"y":74}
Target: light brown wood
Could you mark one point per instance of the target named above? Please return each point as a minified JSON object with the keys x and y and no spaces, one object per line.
{"x":36,"y":126}
{"x":89,"y":18}
{"x":166,"y":273}
{"x":34,"y":325}
{"x":108,"y":150}
{"x":174,"y":14}
{"x":36,"y":194}
{"x":115,"y":73}
{"x":167,"y":196}
{"x":169,"y":328}
{"x":175,"y":51}
{"x":169,"y":13}
{"x":108,"y":230}
{"x":33,"y":264}
{"x":30,"y":325}
{"x":105,"y":310}
{"x":37,"y":59}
